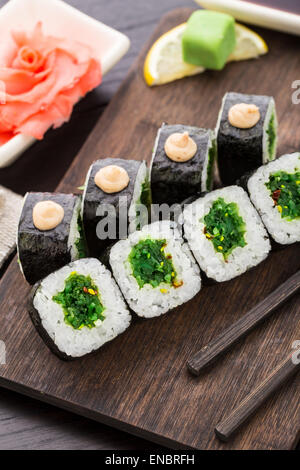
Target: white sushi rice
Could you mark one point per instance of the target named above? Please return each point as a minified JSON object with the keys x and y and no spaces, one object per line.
{"x":204,"y":175}
{"x":76,"y":343}
{"x":85,"y":186}
{"x":141,"y":178}
{"x":241,"y":259}
{"x":154,"y":150}
{"x":148,"y":301}
{"x":17,"y":236}
{"x":282,"y":230}
{"x":74,"y":234}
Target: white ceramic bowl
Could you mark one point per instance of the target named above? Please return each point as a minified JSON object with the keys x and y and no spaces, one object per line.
{"x":59,"y":19}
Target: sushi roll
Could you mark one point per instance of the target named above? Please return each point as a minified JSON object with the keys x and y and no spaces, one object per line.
{"x":182,"y":163}
{"x":50,"y":234}
{"x":225,"y":233}
{"x":155,"y":269}
{"x":114,"y":192}
{"x":275,"y":191}
{"x":78,"y":309}
{"x":246,"y":135}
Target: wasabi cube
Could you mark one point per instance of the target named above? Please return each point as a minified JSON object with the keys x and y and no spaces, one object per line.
{"x":209,"y":39}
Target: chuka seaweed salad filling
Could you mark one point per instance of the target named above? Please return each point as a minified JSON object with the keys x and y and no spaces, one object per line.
{"x":285,"y":191}
{"x":150,"y":264}
{"x":224,"y":227}
{"x":80,"y":302}
{"x":271,"y":131}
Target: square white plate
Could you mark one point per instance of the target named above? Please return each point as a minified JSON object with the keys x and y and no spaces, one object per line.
{"x":61,"y":20}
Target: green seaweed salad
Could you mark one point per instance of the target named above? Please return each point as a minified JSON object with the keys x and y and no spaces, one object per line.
{"x":145,"y":200}
{"x":224,"y":227}
{"x":212,"y":156}
{"x":285,"y":191}
{"x":150,"y":264}
{"x":81,"y":242}
{"x":80,"y":302}
{"x":272,"y":136}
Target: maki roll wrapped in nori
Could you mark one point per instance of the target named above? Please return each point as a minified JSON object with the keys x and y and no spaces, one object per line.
{"x":50,"y":234}
{"x":184,"y":166}
{"x":155,"y":269}
{"x":78,"y":309}
{"x":225,"y":233}
{"x":275,"y":191}
{"x":246,"y":134}
{"x":115,"y":191}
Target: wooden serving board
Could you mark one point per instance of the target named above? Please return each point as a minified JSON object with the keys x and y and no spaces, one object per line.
{"x":139,"y":383}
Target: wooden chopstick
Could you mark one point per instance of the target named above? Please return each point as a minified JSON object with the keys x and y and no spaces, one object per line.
{"x":222,"y":343}
{"x":255,"y":399}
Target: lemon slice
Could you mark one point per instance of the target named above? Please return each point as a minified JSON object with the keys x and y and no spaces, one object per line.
{"x":249,"y":45}
{"x":164,"y":62}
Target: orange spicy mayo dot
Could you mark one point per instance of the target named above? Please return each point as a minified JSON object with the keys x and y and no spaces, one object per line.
{"x":112,"y":179}
{"x":47,"y":215}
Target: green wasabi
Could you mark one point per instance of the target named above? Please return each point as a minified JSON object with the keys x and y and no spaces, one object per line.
{"x":208,"y":39}
{"x":80,"y":302}
{"x":285,"y":191}
{"x":150,"y":264}
{"x":224,"y":227}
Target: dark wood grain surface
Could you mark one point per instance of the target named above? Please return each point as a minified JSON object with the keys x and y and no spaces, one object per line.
{"x":238,"y":330}
{"x":28,"y":424}
{"x":140,"y":383}
{"x":256,"y":398}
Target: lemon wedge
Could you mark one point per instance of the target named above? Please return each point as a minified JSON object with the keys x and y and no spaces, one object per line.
{"x":249,"y":45}
{"x":164,"y":62}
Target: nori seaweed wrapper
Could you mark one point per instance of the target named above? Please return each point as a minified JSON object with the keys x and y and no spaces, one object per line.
{"x":42,"y":252}
{"x":240,"y":150}
{"x":37,"y":322}
{"x":192,"y":199}
{"x":94,"y":196}
{"x":243,"y":180}
{"x":172,"y":182}
{"x":105,"y":255}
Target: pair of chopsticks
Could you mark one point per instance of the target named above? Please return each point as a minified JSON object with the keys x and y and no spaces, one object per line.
{"x":210,"y":353}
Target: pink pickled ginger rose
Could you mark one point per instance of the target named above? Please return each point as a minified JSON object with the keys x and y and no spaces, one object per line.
{"x":43,"y":77}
